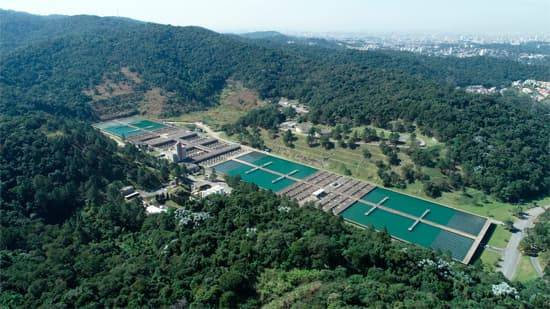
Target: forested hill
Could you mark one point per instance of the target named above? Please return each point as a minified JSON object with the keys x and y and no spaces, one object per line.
{"x":75,"y":54}
{"x":69,"y":239}
{"x":131,"y":67}
{"x":19,"y":29}
{"x":274,"y":39}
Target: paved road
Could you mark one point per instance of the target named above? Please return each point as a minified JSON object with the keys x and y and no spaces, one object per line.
{"x":511,"y":253}
{"x":536,"y":266}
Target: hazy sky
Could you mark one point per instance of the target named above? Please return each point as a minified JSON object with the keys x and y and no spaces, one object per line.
{"x":481,"y":16}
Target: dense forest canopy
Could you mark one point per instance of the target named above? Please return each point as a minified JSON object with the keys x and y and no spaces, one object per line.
{"x":49,"y":167}
{"x":247,"y":249}
{"x":20,"y":29}
{"x":68,"y":238}
{"x":191,"y":65}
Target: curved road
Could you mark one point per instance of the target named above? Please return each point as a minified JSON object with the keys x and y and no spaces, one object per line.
{"x":512,"y":255}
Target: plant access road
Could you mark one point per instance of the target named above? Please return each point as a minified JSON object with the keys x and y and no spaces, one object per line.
{"x":512,"y":254}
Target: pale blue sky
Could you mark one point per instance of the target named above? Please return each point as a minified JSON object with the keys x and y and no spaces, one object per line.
{"x":458,"y":16}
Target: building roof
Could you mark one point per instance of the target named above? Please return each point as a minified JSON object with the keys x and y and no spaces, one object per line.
{"x":216,"y":189}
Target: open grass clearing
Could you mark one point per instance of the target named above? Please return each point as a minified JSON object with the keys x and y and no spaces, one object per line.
{"x":490,"y":259}
{"x":339,"y":159}
{"x":235,"y":102}
{"x":172,"y":204}
{"x":500,"y":237}
{"x":526,"y":271}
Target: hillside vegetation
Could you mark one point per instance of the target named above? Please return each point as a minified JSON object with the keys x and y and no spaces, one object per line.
{"x":499,"y":141}
{"x":69,"y":239}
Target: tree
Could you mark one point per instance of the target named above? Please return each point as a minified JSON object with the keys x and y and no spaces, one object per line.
{"x":289,"y":112}
{"x":342,"y":143}
{"x":369,"y":135}
{"x":407,"y":170}
{"x":255,"y":139}
{"x":393,"y":159}
{"x":288,"y":138}
{"x":424,"y":157}
{"x":164,"y":170}
{"x":456,"y":181}
{"x":431,"y":189}
{"x":336,"y":132}
{"x":366,"y":153}
{"x":273,"y":132}
{"x":354,"y":137}
{"x":509,"y":225}
{"x":413,"y":142}
{"x":213,"y":175}
{"x":518,"y":211}
{"x":394,"y":138}
{"x":268,"y":117}
{"x":180,"y":196}
{"x":326,"y":142}
{"x":347,"y":171}
{"x":310,"y":138}
{"x":179,"y":171}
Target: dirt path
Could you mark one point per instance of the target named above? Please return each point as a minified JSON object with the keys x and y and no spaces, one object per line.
{"x":512,"y":255}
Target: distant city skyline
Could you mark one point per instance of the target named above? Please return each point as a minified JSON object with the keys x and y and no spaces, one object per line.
{"x":489,"y":17}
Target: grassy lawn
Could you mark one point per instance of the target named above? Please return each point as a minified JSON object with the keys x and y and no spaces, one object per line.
{"x":54,"y":134}
{"x":500,"y":237}
{"x":172,"y":204}
{"x":544,"y":259}
{"x":490,"y":259}
{"x":470,"y":200}
{"x":525,"y":271}
{"x":339,"y":159}
{"x":235,"y":101}
{"x":430,"y":141}
{"x":214,"y":117}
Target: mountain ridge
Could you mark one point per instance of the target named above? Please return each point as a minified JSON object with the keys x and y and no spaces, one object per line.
{"x":192,"y":64}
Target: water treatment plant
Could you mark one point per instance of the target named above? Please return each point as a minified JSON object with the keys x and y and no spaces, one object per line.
{"x":406,"y":218}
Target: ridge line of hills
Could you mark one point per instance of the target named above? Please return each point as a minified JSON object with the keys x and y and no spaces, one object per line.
{"x":69,"y":239}
{"x":189,"y":66}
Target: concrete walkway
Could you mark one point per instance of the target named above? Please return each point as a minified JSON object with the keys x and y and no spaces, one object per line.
{"x":512,"y":255}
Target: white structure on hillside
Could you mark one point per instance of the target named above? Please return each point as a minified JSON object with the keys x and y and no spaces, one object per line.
{"x":217,"y":189}
{"x":151,"y":209}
